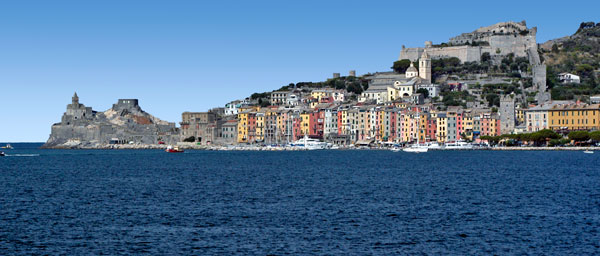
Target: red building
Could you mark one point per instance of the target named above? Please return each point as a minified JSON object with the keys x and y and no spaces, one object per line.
{"x":316,"y":123}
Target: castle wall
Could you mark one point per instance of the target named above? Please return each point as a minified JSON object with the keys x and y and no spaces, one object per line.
{"x":509,"y":42}
{"x":464,"y":53}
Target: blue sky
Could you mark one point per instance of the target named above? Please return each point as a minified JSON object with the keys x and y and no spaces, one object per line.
{"x":177,"y":56}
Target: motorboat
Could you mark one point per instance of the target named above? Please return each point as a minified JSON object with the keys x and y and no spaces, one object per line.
{"x":416,"y":149}
{"x":433,"y":145}
{"x":173,"y":150}
{"x":458,"y":145}
{"x":307,"y":143}
{"x":8,"y":146}
{"x":2,"y":154}
{"x":588,"y":152}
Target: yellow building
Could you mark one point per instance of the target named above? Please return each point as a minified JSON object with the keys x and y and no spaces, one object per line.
{"x":422,"y":131}
{"x":574,"y":117}
{"x":468,"y":125}
{"x":442,"y":127}
{"x":410,"y":127}
{"x":343,"y":120}
{"x":305,"y":124}
{"x":242,"y":127}
{"x":520,"y":115}
{"x":399,"y":90}
{"x":260,"y":126}
{"x":318,"y":94}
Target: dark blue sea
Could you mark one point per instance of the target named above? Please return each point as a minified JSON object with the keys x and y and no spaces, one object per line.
{"x":76,"y":202}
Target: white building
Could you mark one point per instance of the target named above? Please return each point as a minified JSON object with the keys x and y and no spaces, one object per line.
{"x":536,"y":118}
{"x":278,"y":98}
{"x":331,"y":121}
{"x":232,"y":108}
{"x":378,"y":95}
{"x":292,"y":100}
{"x":433,"y":89}
{"x":568,"y":78}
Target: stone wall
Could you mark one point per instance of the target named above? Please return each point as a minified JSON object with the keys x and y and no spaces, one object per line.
{"x":499,"y":44}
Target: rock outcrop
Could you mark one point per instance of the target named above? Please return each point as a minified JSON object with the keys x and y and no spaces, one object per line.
{"x":124,"y":123}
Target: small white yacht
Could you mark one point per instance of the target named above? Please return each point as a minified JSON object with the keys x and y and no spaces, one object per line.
{"x":307,"y":143}
{"x":433,"y":145}
{"x":458,"y":145}
{"x":416,"y":149}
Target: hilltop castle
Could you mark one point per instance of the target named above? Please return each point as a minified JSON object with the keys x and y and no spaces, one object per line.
{"x":497,"y":40}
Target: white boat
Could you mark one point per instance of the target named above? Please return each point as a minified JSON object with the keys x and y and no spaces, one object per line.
{"x":433,"y":145}
{"x":588,"y":152}
{"x":307,"y":143}
{"x":2,"y":154}
{"x":416,"y":149}
{"x":458,"y":145}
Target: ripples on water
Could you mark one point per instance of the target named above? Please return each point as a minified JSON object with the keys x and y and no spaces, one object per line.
{"x":320,"y":202}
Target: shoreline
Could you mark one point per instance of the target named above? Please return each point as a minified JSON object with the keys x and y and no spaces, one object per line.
{"x":187,"y":146}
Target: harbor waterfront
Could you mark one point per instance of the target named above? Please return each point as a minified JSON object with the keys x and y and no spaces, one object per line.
{"x":488,"y":87}
{"x":309,"y":202}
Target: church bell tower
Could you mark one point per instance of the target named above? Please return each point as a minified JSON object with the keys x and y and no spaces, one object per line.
{"x":425,"y":67}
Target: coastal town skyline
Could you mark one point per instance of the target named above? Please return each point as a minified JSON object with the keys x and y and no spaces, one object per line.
{"x":110,"y":60}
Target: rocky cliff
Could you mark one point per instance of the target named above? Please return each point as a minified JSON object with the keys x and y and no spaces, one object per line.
{"x":124,"y":123}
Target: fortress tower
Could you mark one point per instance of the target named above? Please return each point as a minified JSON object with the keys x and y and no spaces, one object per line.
{"x":507,"y":113}
{"x":425,"y":67}
{"x":75,"y":99}
{"x":76,"y":111}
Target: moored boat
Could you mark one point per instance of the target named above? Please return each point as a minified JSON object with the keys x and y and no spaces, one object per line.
{"x":307,"y":143}
{"x":415,"y":149}
{"x":173,"y":150}
{"x":458,"y":145}
{"x":588,"y":152}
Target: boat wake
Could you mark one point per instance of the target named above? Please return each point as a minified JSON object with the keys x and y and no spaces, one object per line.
{"x":22,"y":155}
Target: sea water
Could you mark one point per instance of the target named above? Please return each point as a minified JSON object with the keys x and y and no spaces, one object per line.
{"x":353,"y":202}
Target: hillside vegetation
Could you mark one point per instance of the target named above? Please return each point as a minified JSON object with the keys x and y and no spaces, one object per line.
{"x":578,"y":54}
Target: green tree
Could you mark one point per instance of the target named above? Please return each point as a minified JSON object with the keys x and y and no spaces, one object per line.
{"x":339,"y":84}
{"x":584,"y":70}
{"x":263,"y":103}
{"x":424,"y":91}
{"x":579,"y":135}
{"x":400,"y":66}
{"x":485,"y":57}
{"x":595,"y":136}
{"x":492,"y":99}
{"x":355,"y":88}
